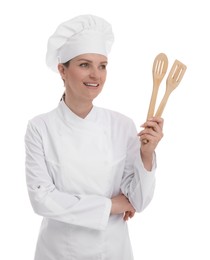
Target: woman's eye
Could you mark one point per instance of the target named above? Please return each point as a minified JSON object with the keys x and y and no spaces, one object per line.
{"x":103,"y":67}
{"x":84,"y":65}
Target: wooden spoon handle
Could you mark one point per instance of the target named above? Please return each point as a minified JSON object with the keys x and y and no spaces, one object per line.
{"x":162,"y":104}
{"x":152,"y":102}
{"x":160,"y":108}
{"x":151,"y":110}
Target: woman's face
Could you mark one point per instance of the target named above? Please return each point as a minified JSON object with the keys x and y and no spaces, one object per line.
{"x":84,"y":77}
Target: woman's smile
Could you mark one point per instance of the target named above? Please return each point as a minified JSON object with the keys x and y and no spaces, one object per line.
{"x":91,"y":85}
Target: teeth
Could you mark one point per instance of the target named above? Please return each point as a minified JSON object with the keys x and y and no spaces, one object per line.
{"x":91,"y":84}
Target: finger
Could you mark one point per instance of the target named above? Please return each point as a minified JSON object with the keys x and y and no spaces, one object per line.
{"x":151,"y":137}
{"x":152,"y":126}
{"x":149,"y":132}
{"x":153,"y":121}
{"x":126,"y":215}
{"x":159,"y":120}
{"x":158,"y":123}
{"x":132,"y":213}
{"x":129,"y":214}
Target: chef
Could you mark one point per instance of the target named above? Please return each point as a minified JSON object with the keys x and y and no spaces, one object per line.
{"x":87,"y":169}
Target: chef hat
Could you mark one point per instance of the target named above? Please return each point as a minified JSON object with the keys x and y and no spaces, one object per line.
{"x":80,"y":35}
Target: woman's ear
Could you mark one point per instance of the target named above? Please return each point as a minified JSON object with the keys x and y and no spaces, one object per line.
{"x":61,"y":70}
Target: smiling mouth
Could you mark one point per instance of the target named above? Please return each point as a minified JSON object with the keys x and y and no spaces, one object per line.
{"x":91,"y":85}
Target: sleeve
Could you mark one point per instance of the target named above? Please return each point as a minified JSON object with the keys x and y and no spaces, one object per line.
{"x":90,"y":211}
{"x":138,"y":184}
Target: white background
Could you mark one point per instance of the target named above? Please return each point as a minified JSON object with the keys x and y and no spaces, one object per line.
{"x":176,"y":225}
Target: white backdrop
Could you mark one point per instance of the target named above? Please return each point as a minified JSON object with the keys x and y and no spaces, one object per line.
{"x":176,"y":225}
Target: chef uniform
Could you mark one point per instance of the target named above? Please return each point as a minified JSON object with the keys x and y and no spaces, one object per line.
{"x":74,"y":166}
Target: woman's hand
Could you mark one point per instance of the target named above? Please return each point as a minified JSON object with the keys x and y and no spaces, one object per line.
{"x":128,"y":214}
{"x":121,"y":204}
{"x":152,"y":133}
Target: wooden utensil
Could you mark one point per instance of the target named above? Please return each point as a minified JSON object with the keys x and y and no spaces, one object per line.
{"x":159,"y":69}
{"x":174,"y":78}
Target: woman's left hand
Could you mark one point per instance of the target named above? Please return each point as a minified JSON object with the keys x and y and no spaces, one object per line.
{"x":151,"y":135}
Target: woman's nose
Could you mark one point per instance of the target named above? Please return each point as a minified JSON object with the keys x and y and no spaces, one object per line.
{"x":94,"y":73}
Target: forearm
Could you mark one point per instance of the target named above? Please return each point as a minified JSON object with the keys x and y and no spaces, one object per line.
{"x":90,"y":211}
{"x":138,"y":185}
{"x":147,"y":159}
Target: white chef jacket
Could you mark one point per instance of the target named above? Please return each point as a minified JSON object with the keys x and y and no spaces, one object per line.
{"x":74,"y":167}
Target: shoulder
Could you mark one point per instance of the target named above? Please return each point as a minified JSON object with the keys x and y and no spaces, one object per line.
{"x":113,"y":114}
{"x":115,"y":117}
{"x":41,"y":120}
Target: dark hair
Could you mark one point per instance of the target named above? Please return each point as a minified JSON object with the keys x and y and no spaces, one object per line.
{"x":66,"y":64}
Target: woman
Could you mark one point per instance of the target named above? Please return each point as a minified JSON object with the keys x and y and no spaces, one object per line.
{"x":87,"y":170}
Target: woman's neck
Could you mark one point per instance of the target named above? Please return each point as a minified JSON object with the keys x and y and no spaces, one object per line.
{"x":81,"y":109}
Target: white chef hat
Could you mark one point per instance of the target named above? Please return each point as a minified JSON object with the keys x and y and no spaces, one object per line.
{"x":80,"y":35}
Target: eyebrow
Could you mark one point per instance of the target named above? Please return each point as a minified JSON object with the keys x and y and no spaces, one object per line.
{"x":91,"y":61}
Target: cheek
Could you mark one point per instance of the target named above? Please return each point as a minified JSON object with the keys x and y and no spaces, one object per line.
{"x":103,"y":76}
{"x":74,"y":77}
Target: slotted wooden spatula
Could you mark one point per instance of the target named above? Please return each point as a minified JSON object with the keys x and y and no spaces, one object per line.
{"x":159,"y":69}
{"x":174,"y":78}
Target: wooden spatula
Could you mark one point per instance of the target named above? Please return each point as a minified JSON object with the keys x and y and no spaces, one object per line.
{"x":159,"y":69}
{"x":174,"y":78}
